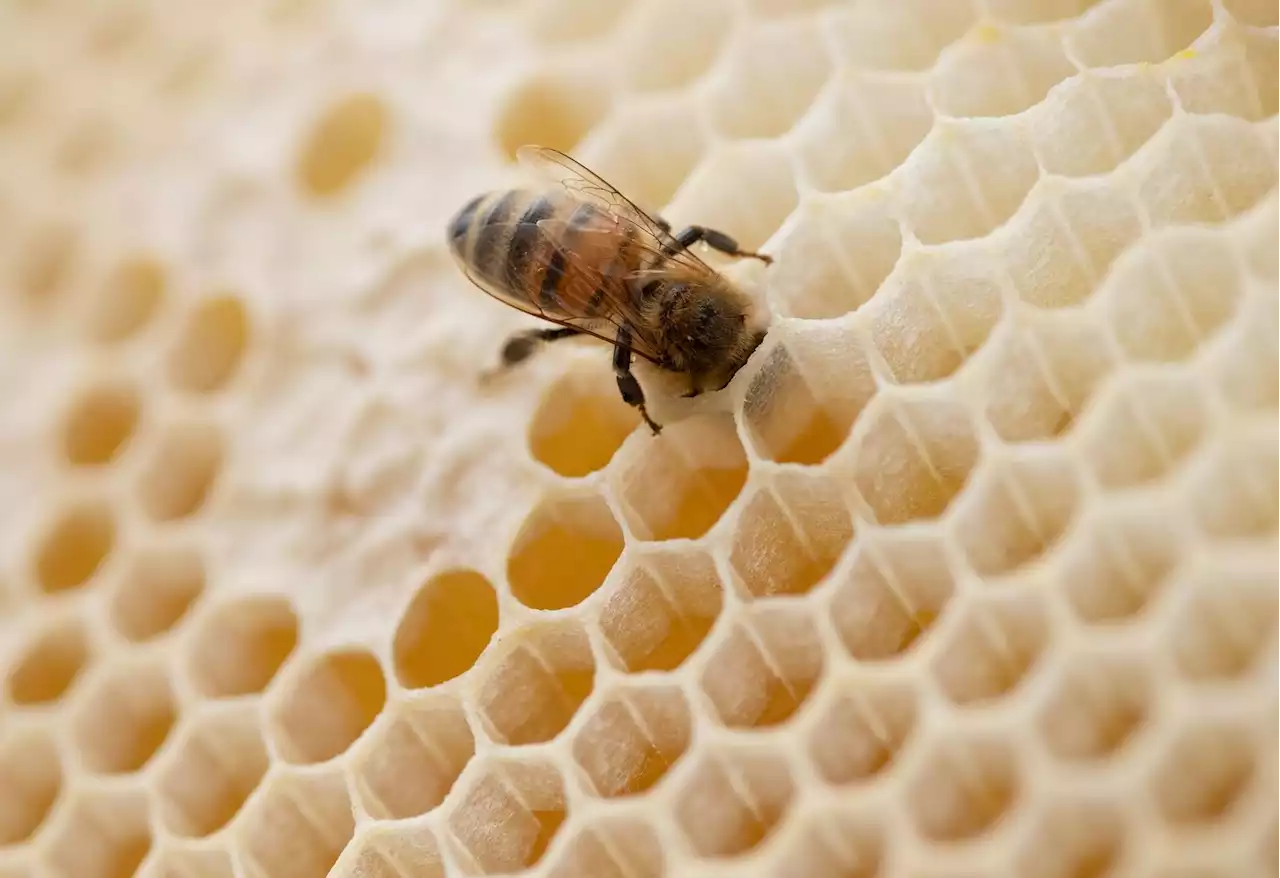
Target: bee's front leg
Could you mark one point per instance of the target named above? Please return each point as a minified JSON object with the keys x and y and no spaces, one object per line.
{"x":628,"y":386}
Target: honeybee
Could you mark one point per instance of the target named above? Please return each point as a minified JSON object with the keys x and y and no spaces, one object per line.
{"x":582,"y":256}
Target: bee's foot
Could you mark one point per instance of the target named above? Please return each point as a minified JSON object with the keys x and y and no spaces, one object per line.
{"x":697,"y":391}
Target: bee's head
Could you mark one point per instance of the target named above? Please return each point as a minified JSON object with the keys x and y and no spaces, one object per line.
{"x":708,"y":330}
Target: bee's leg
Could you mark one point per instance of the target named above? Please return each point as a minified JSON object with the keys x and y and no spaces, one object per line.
{"x":520,"y":346}
{"x":687,"y":237}
{"x":628,"y":386}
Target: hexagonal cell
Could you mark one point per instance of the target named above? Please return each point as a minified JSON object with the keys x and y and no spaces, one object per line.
{"x":1260,"y":56}
{"x":553,"y":107}
{"x":557,"y":22}
{"x":678,"y":484}
{"x":1232,"y":489}
{"x":633,"y":739}
{"x":327,"y":705}
{"x":1228,"y":616}
{"x":1205,"y":770}
{"x":580,"y":423}
{"x":1211,"y":78}
{"x":125,"y":717}
{"x":992,"y":647}
{"x":998,"y":71}
{"x":1062,"y":243}
{"x":1076,"y":838}
{"x":861,"y":729}
{"x":964,"y":180}
{"x":803,"y":401}
{"x":733,"y":800}
{"x":894,"y":591}
{"x":130,"y":297}
{"x":713,"y":195}
{"x":552,"y":667}
{"x":835,"y":256}
{"x":1245,"y":359}
{"x":911,"y":455}
{"x":296,"y":828}
{"x":835,"y":842}
{"x":1142,"y":426}
{"x":1170,"y":294}
{"x":1097,"y":706}
{"x":392,"y":851}
{"x":897,"y":36}
{"x":99,"y":422}
{"x":612,"y":847}
{"x":31,"y":776}
{"x":158,"y":587}
{"x":648,"y":169}
{"x":662,"y":609}
{"x":963,"y":788}
{"x":564,"y":551}
{"x":46,"y":261}
{"x":764,"y":669}
{"x":414,"y":758}
{"x":1201,"y":169}
{"x":792,"y":532}
{"x":100,"y":835}
{"x":933,"y":312}
{"x":859,"y":128}
{"x":217,"y":761}
{"x":656,"y":55}
{"x":49,"y":664}
{"x":746,"y":101}
{"x":239,"y":645}
{"x":344,"y":140}
{"x":508,"y":816}
{"x":182,"y":470}
{"x":445,"y":628}
{"x":1018,"y":510}
{"x":1132,"y":31}
{"x":210,"y":345}
{"x":1129,"y":104}
{"x":1037,"y":372}
{"x":76,"y":543}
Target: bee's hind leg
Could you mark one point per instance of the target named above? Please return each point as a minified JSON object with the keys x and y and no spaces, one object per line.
{"x":522,"y":345}
{"x":628,"y":386}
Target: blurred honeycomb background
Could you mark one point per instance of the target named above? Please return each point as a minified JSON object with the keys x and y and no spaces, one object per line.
{"x":971,"y":572}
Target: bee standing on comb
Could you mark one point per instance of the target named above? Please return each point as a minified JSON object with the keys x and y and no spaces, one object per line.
{"x":582,"y":256}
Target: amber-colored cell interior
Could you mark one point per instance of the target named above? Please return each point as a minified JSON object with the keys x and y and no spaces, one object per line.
{"x":208,"y":351}
{"x":130,"y":296}
{"x":74,"y":546}
{"x":331,"y":704}
{"x":580,"y":424}
{"x":99,"y":424}
{"x":445,"y":629}
{"x":240,"y":645}
{"x":344,"y":140}
{"x":970,"y":570}
{"x":564,"y":551}
{"x":49,"y":664}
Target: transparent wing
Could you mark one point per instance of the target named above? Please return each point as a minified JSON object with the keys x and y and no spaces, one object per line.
{"x":585,"y":184}
{"x":575,"y":294}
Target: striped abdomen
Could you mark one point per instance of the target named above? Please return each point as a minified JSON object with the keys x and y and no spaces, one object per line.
{"x":572,"y":266}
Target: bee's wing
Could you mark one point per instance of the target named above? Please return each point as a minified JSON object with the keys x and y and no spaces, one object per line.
{"x":585,"y":184}
{"x":595,"y":294}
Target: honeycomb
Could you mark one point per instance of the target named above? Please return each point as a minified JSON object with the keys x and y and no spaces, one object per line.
{"x":967,"y":573}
